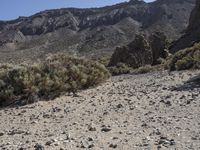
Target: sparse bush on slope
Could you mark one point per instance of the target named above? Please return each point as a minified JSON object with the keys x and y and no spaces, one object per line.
{"x":48,"y":79}
{"x":119,"y":69}
{"x":144,"y":69}
{"x":186,"y":59}
{"x":104,"y":60}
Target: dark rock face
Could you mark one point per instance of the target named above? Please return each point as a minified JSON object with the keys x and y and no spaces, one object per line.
{"x":158,"y":43}
{"x":192,"y":34}
{"x":137,"y":53}
{"x":194,"y":19}
{"x":91,"y":31}
{"x":142,"y":51}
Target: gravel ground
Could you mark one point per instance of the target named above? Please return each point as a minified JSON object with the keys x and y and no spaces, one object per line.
{"x":129,"y":112}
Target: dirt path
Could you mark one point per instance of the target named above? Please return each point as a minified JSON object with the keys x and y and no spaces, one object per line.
{"x":129,"y":112}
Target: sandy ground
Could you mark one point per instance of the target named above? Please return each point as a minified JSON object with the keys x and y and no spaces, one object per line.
{"x":128,"y":112}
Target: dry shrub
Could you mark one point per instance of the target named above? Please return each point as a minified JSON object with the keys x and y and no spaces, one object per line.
{"x":144,"y":69}
{"x":49,"y":78}
{"x":119,"y":69}
{"x":185,"y":59}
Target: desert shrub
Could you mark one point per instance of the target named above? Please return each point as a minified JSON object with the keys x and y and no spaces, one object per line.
{"x":144,"y":69}
{"x":184,"y":63}
{"x":48,"y":78}
{"x":104,"y":60}
{"x":185,"y":59}
{"x":119,"y":69}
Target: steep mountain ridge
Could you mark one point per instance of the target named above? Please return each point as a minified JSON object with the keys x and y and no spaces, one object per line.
{"x":192,"y":34}
{"x":91,"y":31}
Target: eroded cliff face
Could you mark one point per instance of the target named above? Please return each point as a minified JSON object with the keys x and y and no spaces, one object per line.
{"x":91,"y":32}
{"x":192,"y":34}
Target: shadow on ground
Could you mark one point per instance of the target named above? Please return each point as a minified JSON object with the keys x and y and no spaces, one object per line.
{"x":191,"y":84}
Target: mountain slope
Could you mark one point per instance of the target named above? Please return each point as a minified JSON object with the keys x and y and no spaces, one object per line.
{"x":92,"y":31}
{"x":192,"y":34}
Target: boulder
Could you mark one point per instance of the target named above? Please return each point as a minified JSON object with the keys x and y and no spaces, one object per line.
{"x":136,"y":54}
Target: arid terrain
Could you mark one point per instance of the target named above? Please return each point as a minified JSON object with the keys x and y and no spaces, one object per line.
{"x":130,"y":112}
{"x":90,"y":32}
{"x":92,"y":108}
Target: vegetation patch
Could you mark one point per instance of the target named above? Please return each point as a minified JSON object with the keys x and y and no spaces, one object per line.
{"x":188,"y":58}
{"x":144,"y":69}
{"x":120,"y":68}
{"x":104,"y":60}
{"x":47,"y":79}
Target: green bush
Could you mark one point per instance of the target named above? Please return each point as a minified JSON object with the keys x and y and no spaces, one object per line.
{"x":104,"y":60}
{"x":119,"y":69}
{"x":185,"y":59}
{"x":49,"y":78}
{"x":184,"y":63}
{"x":122,"y":68}
{"x":144,"y":69}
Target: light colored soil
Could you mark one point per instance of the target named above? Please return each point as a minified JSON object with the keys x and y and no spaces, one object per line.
{"x":128,"y":112}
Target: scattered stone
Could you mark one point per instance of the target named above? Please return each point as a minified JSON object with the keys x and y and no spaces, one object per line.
{"x":105,"y":129}
{"x":39,"y":147}
{"x":49,"y":142}
{"x":167,"y":103}
{"x":1,"y":133}
{"x":113,"y":145}
{"x":165,"y":141}
{"x":49,"y":135}
{"x":90,"y":139}
{"x":115,"y":138}
{"x":13,"y":132}
{"x":82,"y":145}
{"x":91,"y":128}
{"x":91,"y":146}
{"x":119,"y":106}
{"x":144,"y":125}
{"x":56,"y":109}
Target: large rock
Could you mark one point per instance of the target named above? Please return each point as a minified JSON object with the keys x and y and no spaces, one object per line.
{"x":137,"y":53}
{"x":142,"y":51}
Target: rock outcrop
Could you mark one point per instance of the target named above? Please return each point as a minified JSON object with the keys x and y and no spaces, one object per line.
{"x":136,"y":54}
{"x":192,"y":34}
{"x":158,"y":42}
{"x":142,"y":51}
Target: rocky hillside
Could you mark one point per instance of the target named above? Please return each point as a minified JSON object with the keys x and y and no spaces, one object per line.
{"x":90,"y":31}
{"x":192,"y":34}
